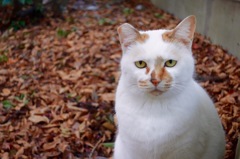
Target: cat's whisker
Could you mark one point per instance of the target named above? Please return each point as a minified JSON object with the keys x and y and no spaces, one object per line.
{"x":177,"y":88}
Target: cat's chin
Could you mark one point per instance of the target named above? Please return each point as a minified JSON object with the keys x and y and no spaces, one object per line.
{"x":156,"y":92}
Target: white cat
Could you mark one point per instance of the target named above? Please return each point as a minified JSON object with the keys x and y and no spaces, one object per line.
{"x":162,"y":112}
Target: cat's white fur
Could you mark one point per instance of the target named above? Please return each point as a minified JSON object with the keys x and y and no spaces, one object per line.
{"x":182,"y":122}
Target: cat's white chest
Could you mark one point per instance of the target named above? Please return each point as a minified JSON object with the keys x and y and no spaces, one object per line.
{"x":151,"y":129}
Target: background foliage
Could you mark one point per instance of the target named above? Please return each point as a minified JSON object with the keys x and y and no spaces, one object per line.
{"x":17,"y":13}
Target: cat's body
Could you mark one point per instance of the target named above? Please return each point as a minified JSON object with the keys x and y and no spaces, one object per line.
{"x":162,"y":112}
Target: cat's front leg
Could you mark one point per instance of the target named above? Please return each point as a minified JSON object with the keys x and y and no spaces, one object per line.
{"x":120,"y":151}
{"x":125,"y":150}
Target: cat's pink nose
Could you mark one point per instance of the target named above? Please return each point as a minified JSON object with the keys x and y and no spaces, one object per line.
{"x":155,"y":82}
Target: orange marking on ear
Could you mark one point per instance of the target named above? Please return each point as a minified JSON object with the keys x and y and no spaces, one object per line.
{"x":169,"y":36}
{"x":188,"y":26}
{"x":119,"y":30}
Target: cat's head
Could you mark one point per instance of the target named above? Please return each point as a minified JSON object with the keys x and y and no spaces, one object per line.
{"x":157,"y":61}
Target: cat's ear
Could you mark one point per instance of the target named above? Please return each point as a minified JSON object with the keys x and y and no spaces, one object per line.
{"x":184,"y":32}
{"x":127,"y":35}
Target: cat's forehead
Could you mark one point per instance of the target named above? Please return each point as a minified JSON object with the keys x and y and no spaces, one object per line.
{"x":154,"y":34}
{"x":154,"y":46}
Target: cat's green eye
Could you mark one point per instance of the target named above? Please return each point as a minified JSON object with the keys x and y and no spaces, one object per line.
{"x":170,"y":63}
{"x":140,"y":64}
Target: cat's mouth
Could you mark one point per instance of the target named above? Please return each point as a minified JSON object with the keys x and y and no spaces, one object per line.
{"x":156,"y":92}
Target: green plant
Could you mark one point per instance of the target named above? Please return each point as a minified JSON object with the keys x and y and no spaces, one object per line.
{"x":105,"y":21}
{"x":16,"y":25}
{"x":25,"y":77}
{"x":158,"y":15}
{"x":6,"y":2}
{"x":11,"y":2}
{"x":7,"y":104}
{"x":78,"y":98}
{"x":22,"y":98}
{"x":127,"y":11}
{"x":62,"y":33}
{"x":26,"y":1}
{"x":3,"y":58}
{"x":17,"y":14}
{"x":108,"y":144}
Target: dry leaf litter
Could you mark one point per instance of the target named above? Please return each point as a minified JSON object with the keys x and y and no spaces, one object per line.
{"x":58,"y":83}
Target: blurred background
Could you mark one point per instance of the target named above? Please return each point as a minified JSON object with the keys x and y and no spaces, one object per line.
{"x":59,"y":68}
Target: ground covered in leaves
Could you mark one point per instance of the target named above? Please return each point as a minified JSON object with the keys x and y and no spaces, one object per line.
{"x":58,"y":79}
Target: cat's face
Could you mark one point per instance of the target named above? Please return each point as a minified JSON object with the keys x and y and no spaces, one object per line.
{"x":158,"y":61}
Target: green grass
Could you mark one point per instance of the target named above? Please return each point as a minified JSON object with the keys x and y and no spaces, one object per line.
{"x":108,"y":144}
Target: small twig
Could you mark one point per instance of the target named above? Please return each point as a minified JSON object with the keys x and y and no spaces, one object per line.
{"x":94,"y":148}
